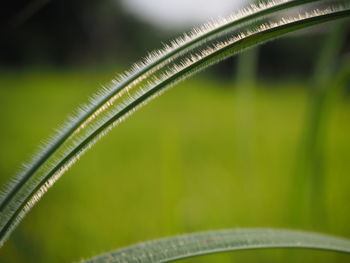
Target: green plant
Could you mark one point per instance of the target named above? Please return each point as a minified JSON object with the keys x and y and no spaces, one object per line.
{"x":148,"y":79}
{"x":311,"y":173}
{"x":181,"y":247}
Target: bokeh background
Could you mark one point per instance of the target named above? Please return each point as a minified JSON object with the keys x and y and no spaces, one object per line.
{"x":260,"y":140}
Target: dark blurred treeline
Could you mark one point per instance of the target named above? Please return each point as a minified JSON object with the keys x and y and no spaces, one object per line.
{"x":69,"y":32}
{"x":99,"y":32}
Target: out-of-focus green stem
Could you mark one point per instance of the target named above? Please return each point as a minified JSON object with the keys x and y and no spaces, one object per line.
{"x":244,"y":107}
{"x":247,"y":67}
{"x":311,"y":160}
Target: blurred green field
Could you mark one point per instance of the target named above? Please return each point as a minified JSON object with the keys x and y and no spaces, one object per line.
{"x":203,"y":156}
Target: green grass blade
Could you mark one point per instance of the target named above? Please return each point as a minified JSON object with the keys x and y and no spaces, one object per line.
{"x":126,"y":101}
{"x":141,"y":71}
{"x":319,"y":112}
{"x":310,"y":176}
{"x":191,"y":245}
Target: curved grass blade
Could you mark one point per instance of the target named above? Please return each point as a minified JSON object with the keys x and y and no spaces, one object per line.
{"x":140,"y":72}
{"x":192,"y":245}
{"x":127,"y":102}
